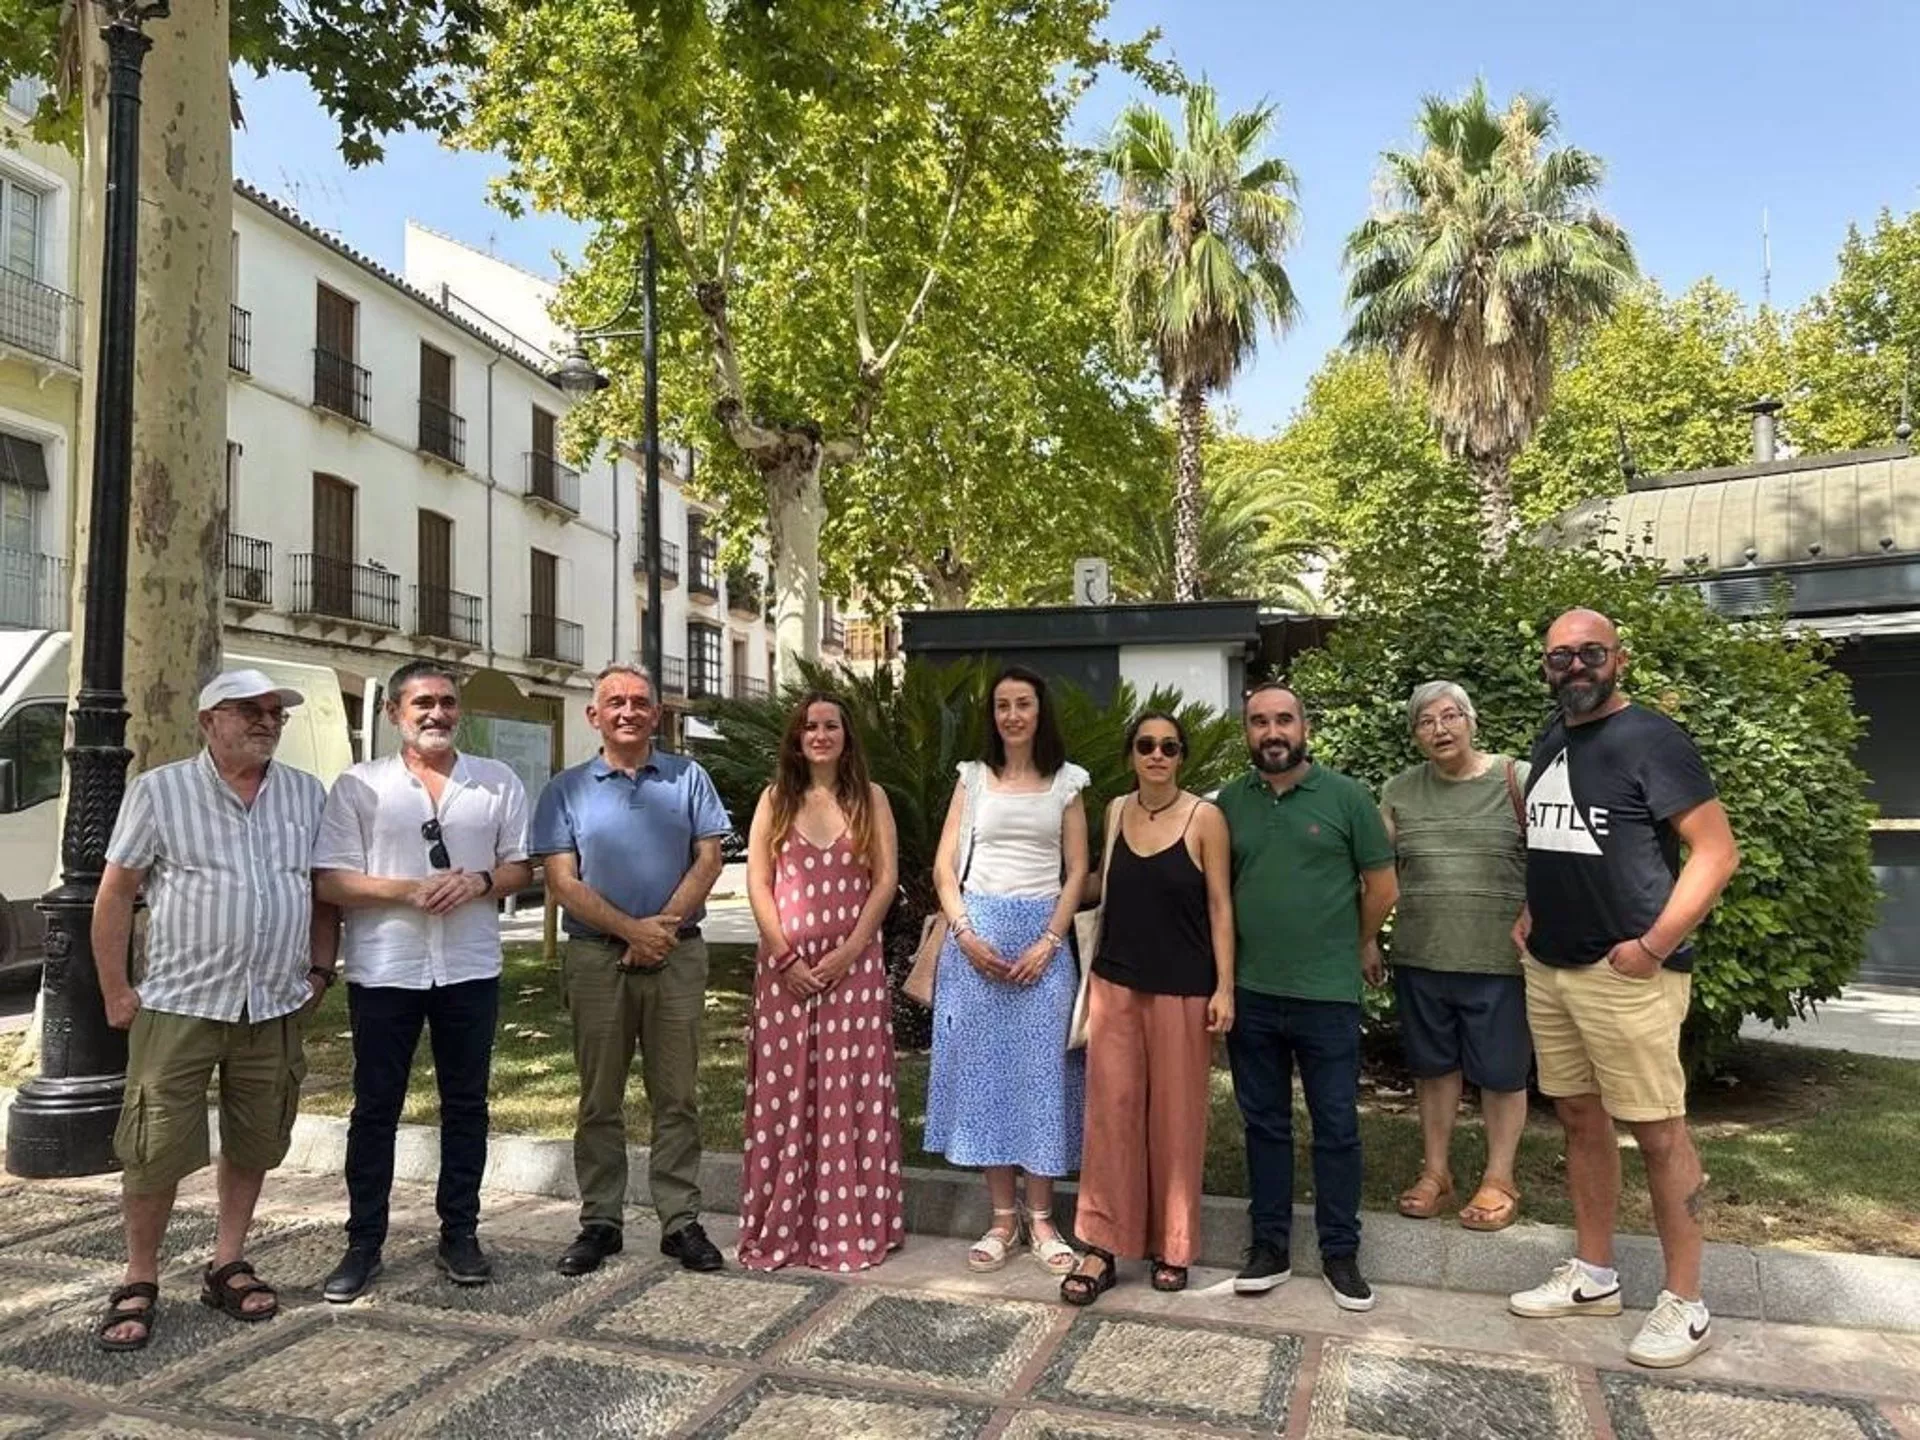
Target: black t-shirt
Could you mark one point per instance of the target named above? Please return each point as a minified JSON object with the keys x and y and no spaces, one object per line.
{"x":1602,"y":853}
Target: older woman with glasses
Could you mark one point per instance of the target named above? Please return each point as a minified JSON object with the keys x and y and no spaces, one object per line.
{"x":1458,"y":826}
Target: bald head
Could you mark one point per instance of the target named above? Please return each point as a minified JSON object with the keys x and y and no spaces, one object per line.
{"x":1583,"y":627}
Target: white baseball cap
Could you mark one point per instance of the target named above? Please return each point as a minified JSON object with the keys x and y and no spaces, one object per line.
{"x":245,"y":685}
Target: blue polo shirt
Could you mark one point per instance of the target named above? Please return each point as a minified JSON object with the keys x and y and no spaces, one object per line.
{"x":633,"y":835}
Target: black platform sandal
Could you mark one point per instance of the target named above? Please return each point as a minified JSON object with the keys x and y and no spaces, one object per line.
{"x":1169,"y":1278}
{"x":120,"y":1313}
{"x":1080,"y":1289}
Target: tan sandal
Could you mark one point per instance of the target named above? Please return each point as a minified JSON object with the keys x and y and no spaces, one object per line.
{"x":990,"y":1251}
{"x":1055,"y":1255}
{"x":1497,"y":1214}
{"x":1424,"y":1199}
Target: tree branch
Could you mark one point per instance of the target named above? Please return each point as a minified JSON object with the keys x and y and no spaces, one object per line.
{"x":730,"y":409}
{"x":733,"y":231}
{"x":879,"y":367}
{"x":670,"y":211}
{"x":862,"y":324}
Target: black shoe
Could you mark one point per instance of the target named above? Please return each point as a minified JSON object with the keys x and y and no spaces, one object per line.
{"x":593,"y":1244}
{"x":352,"y":1276}
{"x":1349,"y":1286}
{"x":1266,"y":1267}
{"x":464,"y":1261}
{"x":691,"y":1247}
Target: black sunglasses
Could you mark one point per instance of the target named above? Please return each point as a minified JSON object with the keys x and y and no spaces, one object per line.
{"x":436,"y":847}
{"x":1560,"y":659}
{"x":1166,"y":745}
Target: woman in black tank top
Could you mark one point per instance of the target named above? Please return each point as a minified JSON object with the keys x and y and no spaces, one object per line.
{"x":1160,"y":989}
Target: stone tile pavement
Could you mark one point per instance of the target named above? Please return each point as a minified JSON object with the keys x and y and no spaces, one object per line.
{"x":916,"y":1348}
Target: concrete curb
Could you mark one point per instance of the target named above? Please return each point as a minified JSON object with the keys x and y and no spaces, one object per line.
{"x":1794,"y":1287}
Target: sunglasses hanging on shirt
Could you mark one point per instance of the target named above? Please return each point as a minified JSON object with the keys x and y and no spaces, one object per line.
{"x":436,"y":846}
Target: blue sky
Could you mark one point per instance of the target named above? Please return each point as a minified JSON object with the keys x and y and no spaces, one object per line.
{"x":1706,"y":111}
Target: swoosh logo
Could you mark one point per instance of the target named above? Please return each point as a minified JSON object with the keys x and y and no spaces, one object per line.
{"x":1580,"y":1297}
{"x":1701,"y":1333}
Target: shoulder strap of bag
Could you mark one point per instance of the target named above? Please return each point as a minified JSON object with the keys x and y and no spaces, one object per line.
{"x":1114,"y":811}
{"x":970,"y":790}
{"x":1513,"y":795}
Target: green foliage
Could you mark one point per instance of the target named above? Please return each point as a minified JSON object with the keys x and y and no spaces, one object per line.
{"x":1774,"y":722}
{"x":1855,"y":344}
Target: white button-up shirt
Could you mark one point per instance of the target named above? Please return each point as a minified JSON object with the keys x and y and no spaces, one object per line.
{"x":229,"y":893}
{"x":372,"y":824}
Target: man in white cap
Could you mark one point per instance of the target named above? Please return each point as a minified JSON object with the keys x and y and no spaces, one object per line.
{"x":236,"y":949}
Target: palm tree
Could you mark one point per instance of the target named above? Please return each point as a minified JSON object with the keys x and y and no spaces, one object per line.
{"x":1199,"y":224}
{"x":1485,"y":249}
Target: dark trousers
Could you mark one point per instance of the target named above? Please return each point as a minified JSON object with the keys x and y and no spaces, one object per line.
{"x":1269,"y":1034}
{"x":386,"y":1031}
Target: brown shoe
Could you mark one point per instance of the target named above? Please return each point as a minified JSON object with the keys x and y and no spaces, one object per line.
{"x":1424,"y":1199}
{"x":1495,"y":1205}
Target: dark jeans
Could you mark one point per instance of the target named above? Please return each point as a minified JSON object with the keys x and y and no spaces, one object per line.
{"x":1269,"y":1033}
{"x":386,"y":1031}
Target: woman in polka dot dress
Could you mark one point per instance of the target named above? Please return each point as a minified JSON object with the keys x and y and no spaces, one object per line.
{"x":821,"y":1181}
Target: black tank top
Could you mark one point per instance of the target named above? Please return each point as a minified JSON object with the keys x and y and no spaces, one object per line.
{"x":1154,"y":932}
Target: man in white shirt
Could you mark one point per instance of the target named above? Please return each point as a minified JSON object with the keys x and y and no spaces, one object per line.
{"x":416,"y":848}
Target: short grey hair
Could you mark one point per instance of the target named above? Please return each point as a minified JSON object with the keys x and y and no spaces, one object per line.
{"x":1435,"y":691}
{"x":629,"y":667}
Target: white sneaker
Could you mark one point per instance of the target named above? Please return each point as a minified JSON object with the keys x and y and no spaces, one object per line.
{"x":1568,"y":1291}
{"x":1675,"y":1332}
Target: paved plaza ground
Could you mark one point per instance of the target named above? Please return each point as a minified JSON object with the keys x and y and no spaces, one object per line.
{"x":917,"y":1348}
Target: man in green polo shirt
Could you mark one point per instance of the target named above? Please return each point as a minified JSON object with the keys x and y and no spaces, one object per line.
{"x":1312,"y":883}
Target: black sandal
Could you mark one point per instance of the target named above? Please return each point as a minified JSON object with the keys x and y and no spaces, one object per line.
{"x":1079,"y":1289}
{"x":219,"y":1295}
{"x":1169,"y":1278}
{"x":121,"y":1313}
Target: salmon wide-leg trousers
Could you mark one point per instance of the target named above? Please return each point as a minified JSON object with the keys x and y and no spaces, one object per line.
{"x":1148,"y":1058}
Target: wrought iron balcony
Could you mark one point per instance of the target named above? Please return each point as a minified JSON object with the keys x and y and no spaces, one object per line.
{"x":341,"y":590}
{"x":442,"y":614}
{"x":443,"y":432}
{"x":744,"y":590}
{"x":551,"y":483}
{"x":749,"y":687}
{"x":249,"y":570}
{"x":39,"y":319}
{"x":673,"y":674}
{"x":240,"y":340}
{"x":703,"y":680}
{"x":669,"y":561}
{"x":833,"y":632}
{"x":343,"y":387}
{"x":551,"y":638}
{"x":33,"y":591}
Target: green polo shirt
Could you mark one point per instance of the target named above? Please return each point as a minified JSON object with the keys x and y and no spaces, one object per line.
{"x":1297,"y":858}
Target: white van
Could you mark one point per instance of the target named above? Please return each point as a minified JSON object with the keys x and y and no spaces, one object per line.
{"x":33,"y":730}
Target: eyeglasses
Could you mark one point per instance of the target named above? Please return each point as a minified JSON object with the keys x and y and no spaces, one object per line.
{"x":436,"y":846}
{"x":1166,"y":745}
{"x":254,"y":714}
{"x":1449,"y":719}
{"x":1560,"y":659}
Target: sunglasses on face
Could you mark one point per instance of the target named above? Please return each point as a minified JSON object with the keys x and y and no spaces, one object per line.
{"x":1560,"y":659}
{"x":1167,"y":746}
{"x":436,"y":846}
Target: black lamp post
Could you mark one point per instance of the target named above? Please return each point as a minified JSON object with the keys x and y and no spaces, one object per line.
{"x":62,"y":1121}
{"x":577,"y":376}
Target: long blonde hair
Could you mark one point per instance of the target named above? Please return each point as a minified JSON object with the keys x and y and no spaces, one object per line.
{"x":792,"y":775}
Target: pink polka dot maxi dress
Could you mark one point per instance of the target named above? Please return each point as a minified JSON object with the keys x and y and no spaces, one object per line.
{"x":820,"y":1185}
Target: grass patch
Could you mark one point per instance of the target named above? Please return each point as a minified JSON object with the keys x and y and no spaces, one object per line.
{"x":1807,"y":1148}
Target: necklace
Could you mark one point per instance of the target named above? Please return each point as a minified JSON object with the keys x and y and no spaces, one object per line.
{"x":1154,"y":812}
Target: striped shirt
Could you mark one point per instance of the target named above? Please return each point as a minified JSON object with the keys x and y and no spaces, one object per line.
{"x":229,"y":888}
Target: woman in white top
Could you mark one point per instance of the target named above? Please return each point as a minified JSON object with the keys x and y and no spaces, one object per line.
{"x":1004,"y":1092}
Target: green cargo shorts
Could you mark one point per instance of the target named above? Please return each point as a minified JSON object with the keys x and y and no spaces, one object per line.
{"x":171,"y":1061}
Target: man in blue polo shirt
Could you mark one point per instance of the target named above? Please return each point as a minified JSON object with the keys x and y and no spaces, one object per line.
{"x":631,"y":844}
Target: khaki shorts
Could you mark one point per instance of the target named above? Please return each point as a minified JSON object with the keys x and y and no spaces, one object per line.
{"x":171,"y":1059}
{"x":1598,"y":1032}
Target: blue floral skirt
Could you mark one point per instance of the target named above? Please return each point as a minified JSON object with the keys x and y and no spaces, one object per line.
{"x":1003,"y":1088}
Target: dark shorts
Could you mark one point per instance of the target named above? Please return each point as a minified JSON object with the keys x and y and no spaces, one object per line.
{"x":1476,"y":1024}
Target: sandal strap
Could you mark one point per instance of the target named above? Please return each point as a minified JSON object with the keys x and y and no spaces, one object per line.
{"x":227,"y":1271}
{"x":136,"y":1290}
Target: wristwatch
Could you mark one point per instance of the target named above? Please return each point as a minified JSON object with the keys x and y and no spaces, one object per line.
{"x":327,"y":973}
{"x":486,"y":888}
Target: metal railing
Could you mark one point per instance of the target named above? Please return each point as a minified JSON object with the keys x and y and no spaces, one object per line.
{"x":744,"y":590}
{"x":341,"y":386}
{"x":673,"y":674}
{"x":240,"y":340}
{"x":556,"y":484}
{"x":551,"y":638}
{"x":703,"y":680}
{"x":343,"y":590}
{"x":447,"y":615}
{"x":249,"y":570}
{"x":443,"y":432}
{"x":33,"y":591}
{"x":833,"y":631}
{"x":39,"y":319}
{"x":749,"y":687}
